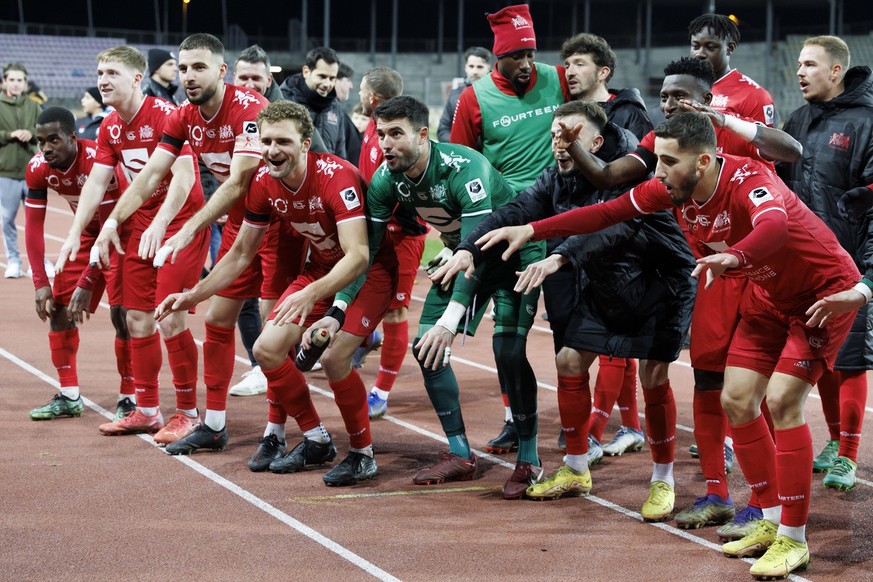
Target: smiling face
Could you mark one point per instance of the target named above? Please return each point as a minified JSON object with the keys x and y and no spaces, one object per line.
{"x":118,"y":83}
{"x":201,"y":72}
{"x":401,"y":143}
{"x":283,"y":149}
{"x":252,"y":76}
{"x":819,"y":76}
{"x":322,"y":78}
{"x":707,"y":46}
{"x":676,"y":87}
{"x":517,"y":68}
{"x":57,"y":147}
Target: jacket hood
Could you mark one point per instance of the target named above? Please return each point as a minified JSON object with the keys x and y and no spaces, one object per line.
{"x":294,"y":89}
{"x":628,"y":96}
{"x":859,"y":88}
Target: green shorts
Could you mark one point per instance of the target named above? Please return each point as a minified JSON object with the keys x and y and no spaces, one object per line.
{"x":514,"y":312}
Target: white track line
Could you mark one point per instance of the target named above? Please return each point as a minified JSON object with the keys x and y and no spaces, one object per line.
{"x":299,"y":526}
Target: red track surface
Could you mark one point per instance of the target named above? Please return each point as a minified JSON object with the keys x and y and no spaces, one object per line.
{"x":77,"y":505}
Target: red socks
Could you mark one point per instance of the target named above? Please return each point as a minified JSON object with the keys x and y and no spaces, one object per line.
{"x":122,"y":362}
{"x":394,"y":344}
{"x":351,"y":399}
{"x":64,"y":346}
{"x":853,"y":398}
{"x":627,"y":398}
{"x":218,"y":356}
{"x":756,"y":453}
{"x":710,"y":426}
{"x":610,"y":376}
{"x":829,"y":390}
{"x":661,"y":422}
{"x":182,"y":356}
{"x":287,"y":387}
{"x":574,"y":407}
{"x":146,"y":361}
{"x":794,"y":467}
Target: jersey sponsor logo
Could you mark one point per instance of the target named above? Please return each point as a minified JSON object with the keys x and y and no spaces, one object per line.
{"x":476,"y":190}
{"x":250,"y":128}
{"x":758,"y":196}
{"x":719,"y":101}
{"x":244,"y":99}
{"x":53,"y":181}
{"x":454,"y":160}
{"x":507,"y":120}
{"x":196,"y":133}
{"x":769,"y":114}
{"x":403,"y":189}
{"x":840,"y":142}
{"x":742,"y":174}
{"x":326,"y":167}
{"x":114,"y":133}
{"x":280,"y":204}
{"x":350,"y":198}
{"x":703,"y":220}
{"x":146,"y":132}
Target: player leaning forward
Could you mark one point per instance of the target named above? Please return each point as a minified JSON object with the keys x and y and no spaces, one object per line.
{"x":321,"y":196}
{"x":750,"y":222}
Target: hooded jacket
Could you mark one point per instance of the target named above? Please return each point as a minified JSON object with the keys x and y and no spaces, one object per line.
{"x":628,"y":110}
{"x":327,"y":113}
{"x":16,"y":113}
{"x":837,"y":138}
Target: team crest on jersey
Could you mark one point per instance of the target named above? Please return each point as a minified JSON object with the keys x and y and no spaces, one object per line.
{"x":476,"y":190}
{"x":225,"y":133}
{"x":146,"y":132}
{"x":840,"y":141}
{"x":438,"y":192}
{"x":374,"y":154}
{"x":326,"y":167}
{"x":332,"y":118}
{"x":244,"y":99}
{"x":742,"y":174}
{"x":454,"y":160}
{"x":165,"y":106}
{"x":758,"y":196}
{"x":315,"y":204}
{"x":722,"y":222}
{"x":719,"y":101}
{"x":350,"y":198}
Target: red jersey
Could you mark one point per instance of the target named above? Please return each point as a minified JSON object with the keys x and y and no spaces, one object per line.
{"x":332,"y":192}
{"x":41,"y":178}
{"x":371,"y":154}
{"x":727,"y":142}
{"x":737,"y":94}
{"x":233,"y":131}
{"x":791,"y":275}
{"x":130,"y":144}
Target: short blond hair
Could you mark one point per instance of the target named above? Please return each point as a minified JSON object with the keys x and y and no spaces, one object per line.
{"x":835,"y":47}
{"x":124,"y":54}
{"x":278,"y":111}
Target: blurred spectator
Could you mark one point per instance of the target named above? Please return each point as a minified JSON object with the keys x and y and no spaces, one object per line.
{"x":95,"y":111}
{"x":477,"y":64}
{"x":343,"y":86}
{"x":360,"y":119}
{"x":163,"y":71}
{"x":35,"y":93}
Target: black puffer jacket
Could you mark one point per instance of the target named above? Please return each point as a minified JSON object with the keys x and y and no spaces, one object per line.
{"x":327,"y":113}
{"x":616,"y":265}
{"x":628,"y":110}
{"x":837,"y":138}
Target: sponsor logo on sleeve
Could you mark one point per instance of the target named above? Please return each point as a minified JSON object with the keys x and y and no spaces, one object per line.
{"x":250,"y":128}
{"x":350,"y":198}
{"x":758,"y":196}
{"x":769,"y":114}
{"x":476,"y":190}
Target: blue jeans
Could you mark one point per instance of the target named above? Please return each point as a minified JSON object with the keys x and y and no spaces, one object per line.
{"x":11,"y":196}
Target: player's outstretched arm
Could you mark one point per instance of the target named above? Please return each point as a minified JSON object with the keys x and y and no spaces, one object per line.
{"x":89,"y":200}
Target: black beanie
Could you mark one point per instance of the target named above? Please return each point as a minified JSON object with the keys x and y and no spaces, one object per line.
{"x":158,"y":57}
{"x":95,"y":93}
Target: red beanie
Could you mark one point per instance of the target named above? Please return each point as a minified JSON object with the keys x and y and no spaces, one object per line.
{"x":513,"y":30}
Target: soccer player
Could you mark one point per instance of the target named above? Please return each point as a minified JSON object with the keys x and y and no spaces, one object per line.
{"x":322,"y":197}
{"x":744,"y":221}
{"x":836,"y":128}
{"x":62,"y":164}
{"x":128,"y":137}
{"x":634,"y":301}
{"x":453,"y":188}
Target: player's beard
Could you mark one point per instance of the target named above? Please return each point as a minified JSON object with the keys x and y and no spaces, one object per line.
{"x":681,"y":192}
{"x":406,"y":161}
{"x":205,"y":95}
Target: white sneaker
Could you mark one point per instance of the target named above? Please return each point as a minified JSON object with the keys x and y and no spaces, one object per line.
{"x":253,"y":383}
{"x":13,"y":270}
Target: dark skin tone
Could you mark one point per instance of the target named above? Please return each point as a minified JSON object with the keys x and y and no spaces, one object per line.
{"x":59,"y":149}
{"x":706,"y":45}
{"x":517,"y":68}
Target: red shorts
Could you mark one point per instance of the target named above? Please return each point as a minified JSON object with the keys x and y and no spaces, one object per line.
{"x":767,"y":337}
{"x":714,"y":319}
{"x":409,"y":250}
{"x":145,"y":286}
{"x":282,"y":256}
{"x":366,"y":310}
